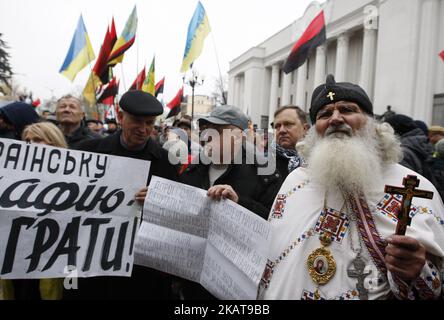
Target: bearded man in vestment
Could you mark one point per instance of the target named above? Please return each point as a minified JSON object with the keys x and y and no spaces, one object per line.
{"x":334,"y":212}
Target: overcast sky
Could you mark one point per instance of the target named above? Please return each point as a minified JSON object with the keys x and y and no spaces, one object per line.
{"x":39,"y":33}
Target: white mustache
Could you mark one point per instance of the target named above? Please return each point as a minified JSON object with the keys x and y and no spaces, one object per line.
{"x":343,"y":128}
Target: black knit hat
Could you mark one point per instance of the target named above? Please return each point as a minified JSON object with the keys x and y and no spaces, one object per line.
{"x":333,"y":91}
{"x":19,"y":114}
{"x":401,"y":123}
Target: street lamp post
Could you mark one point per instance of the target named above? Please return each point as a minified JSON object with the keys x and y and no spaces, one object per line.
{"x":194,"y":79}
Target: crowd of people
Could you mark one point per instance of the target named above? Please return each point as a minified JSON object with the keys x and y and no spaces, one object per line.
{"x":322,"y":192}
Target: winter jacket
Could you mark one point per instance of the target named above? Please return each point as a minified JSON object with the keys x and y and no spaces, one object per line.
{"x":417,"y":153}
{"x":438,"y":174}
{"x":145,"y":283}
{"x":256,"y":192}
{"x":81,"y":134}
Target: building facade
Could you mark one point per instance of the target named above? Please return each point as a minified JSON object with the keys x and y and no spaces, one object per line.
{"x":203,"y":105}
{"x":389,"y":47}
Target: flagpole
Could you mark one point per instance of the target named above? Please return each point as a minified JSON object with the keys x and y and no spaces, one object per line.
{"x":137,"y":63}
{"x":218,"y":66}
{"x":123,"y":76}
{"x":94,"y":84}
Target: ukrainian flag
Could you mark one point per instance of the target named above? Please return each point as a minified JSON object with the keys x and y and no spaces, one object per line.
{"x":149,"y":84}
{"x":80,"y":52}
{"x":198,"y":30}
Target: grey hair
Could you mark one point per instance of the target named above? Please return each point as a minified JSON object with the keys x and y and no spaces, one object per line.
{"x":70,"y":96}
{"x":386,"y":142}
{"x":389,"y":145}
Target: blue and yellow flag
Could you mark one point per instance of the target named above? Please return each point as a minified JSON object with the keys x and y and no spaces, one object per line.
{"x":89,"y":92}
{"x":149,"y":85}
{"x":198,"y":30}
{"x":80,"y":52}
{"x":125,"y":40}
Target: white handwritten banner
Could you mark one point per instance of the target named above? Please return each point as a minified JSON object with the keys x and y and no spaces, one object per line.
{"x":221,"y":245}
{"x":65,"y":212}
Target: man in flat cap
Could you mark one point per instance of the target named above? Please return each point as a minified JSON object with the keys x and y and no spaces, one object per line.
{"x":137,"y":115}
{"x":334,"y":225}
{"x":436,"y":133}
{"x":228,"y":174}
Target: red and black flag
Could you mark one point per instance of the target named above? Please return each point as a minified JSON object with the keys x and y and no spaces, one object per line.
{"x":109,"y":93}
{"x":174,"y":104}
{"x":159,"y":86}
{"x":138,"y":82}
{"x":101,"y":68}
{"x":312,"y":37}
{"x":36,"y":103}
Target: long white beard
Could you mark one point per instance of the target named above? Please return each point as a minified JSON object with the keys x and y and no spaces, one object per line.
{"x":350,"y":162}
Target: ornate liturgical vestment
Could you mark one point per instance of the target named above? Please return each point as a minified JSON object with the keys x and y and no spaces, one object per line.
{"x":327,"y":245}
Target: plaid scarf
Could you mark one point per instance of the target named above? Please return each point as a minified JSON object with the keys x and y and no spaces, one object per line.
{"x":294,"y":160}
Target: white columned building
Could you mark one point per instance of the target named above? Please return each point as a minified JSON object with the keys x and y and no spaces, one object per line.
{"x":428,"y":44}
{"x":369,"y":49}
{"x":273,"y":90}
{"x":300,"y":88}
{"x":368,"y":60}
{"x":286,"y":89}
{"x":389,"y":47}
{"x":321,"y":60}
{"x":343,"y":42}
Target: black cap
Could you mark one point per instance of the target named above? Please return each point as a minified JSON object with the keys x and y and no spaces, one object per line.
{"x":110,"y":120}
{"x":19,"y":114}
{"x":184,"y":122}
{"x":333,"y":91}
{"x":139,"y":103}
{"x":401,"y":123}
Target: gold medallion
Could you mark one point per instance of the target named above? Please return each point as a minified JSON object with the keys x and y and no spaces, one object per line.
{"x":321,"y":265}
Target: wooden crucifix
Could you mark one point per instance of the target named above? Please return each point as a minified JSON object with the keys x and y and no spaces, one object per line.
{"x":408,"y":192}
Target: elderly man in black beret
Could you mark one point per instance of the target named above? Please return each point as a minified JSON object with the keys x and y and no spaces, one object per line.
{"x":137,"y":117}
{"x":335,"y":213}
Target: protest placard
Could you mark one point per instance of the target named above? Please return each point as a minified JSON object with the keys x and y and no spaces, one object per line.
{"x":65,"y":212}
{"x":221,"y":245}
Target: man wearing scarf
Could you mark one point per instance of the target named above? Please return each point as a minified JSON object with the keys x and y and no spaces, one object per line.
{"x":290,"y":125}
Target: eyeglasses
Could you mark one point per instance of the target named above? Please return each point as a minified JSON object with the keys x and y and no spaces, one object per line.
{"x":343,"y":108}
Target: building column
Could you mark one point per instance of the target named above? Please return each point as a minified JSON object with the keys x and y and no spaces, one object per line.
{"x":273,"y":92}
{"x":426,"y":61}
{"x":237,"y":93}
{"x":368,"y":61}
{"x":341,"y":57}
{"x":300,"y":87}
{"x":286,"y":89}
{"x":231,"y":91}
{"x":321,"y":57}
